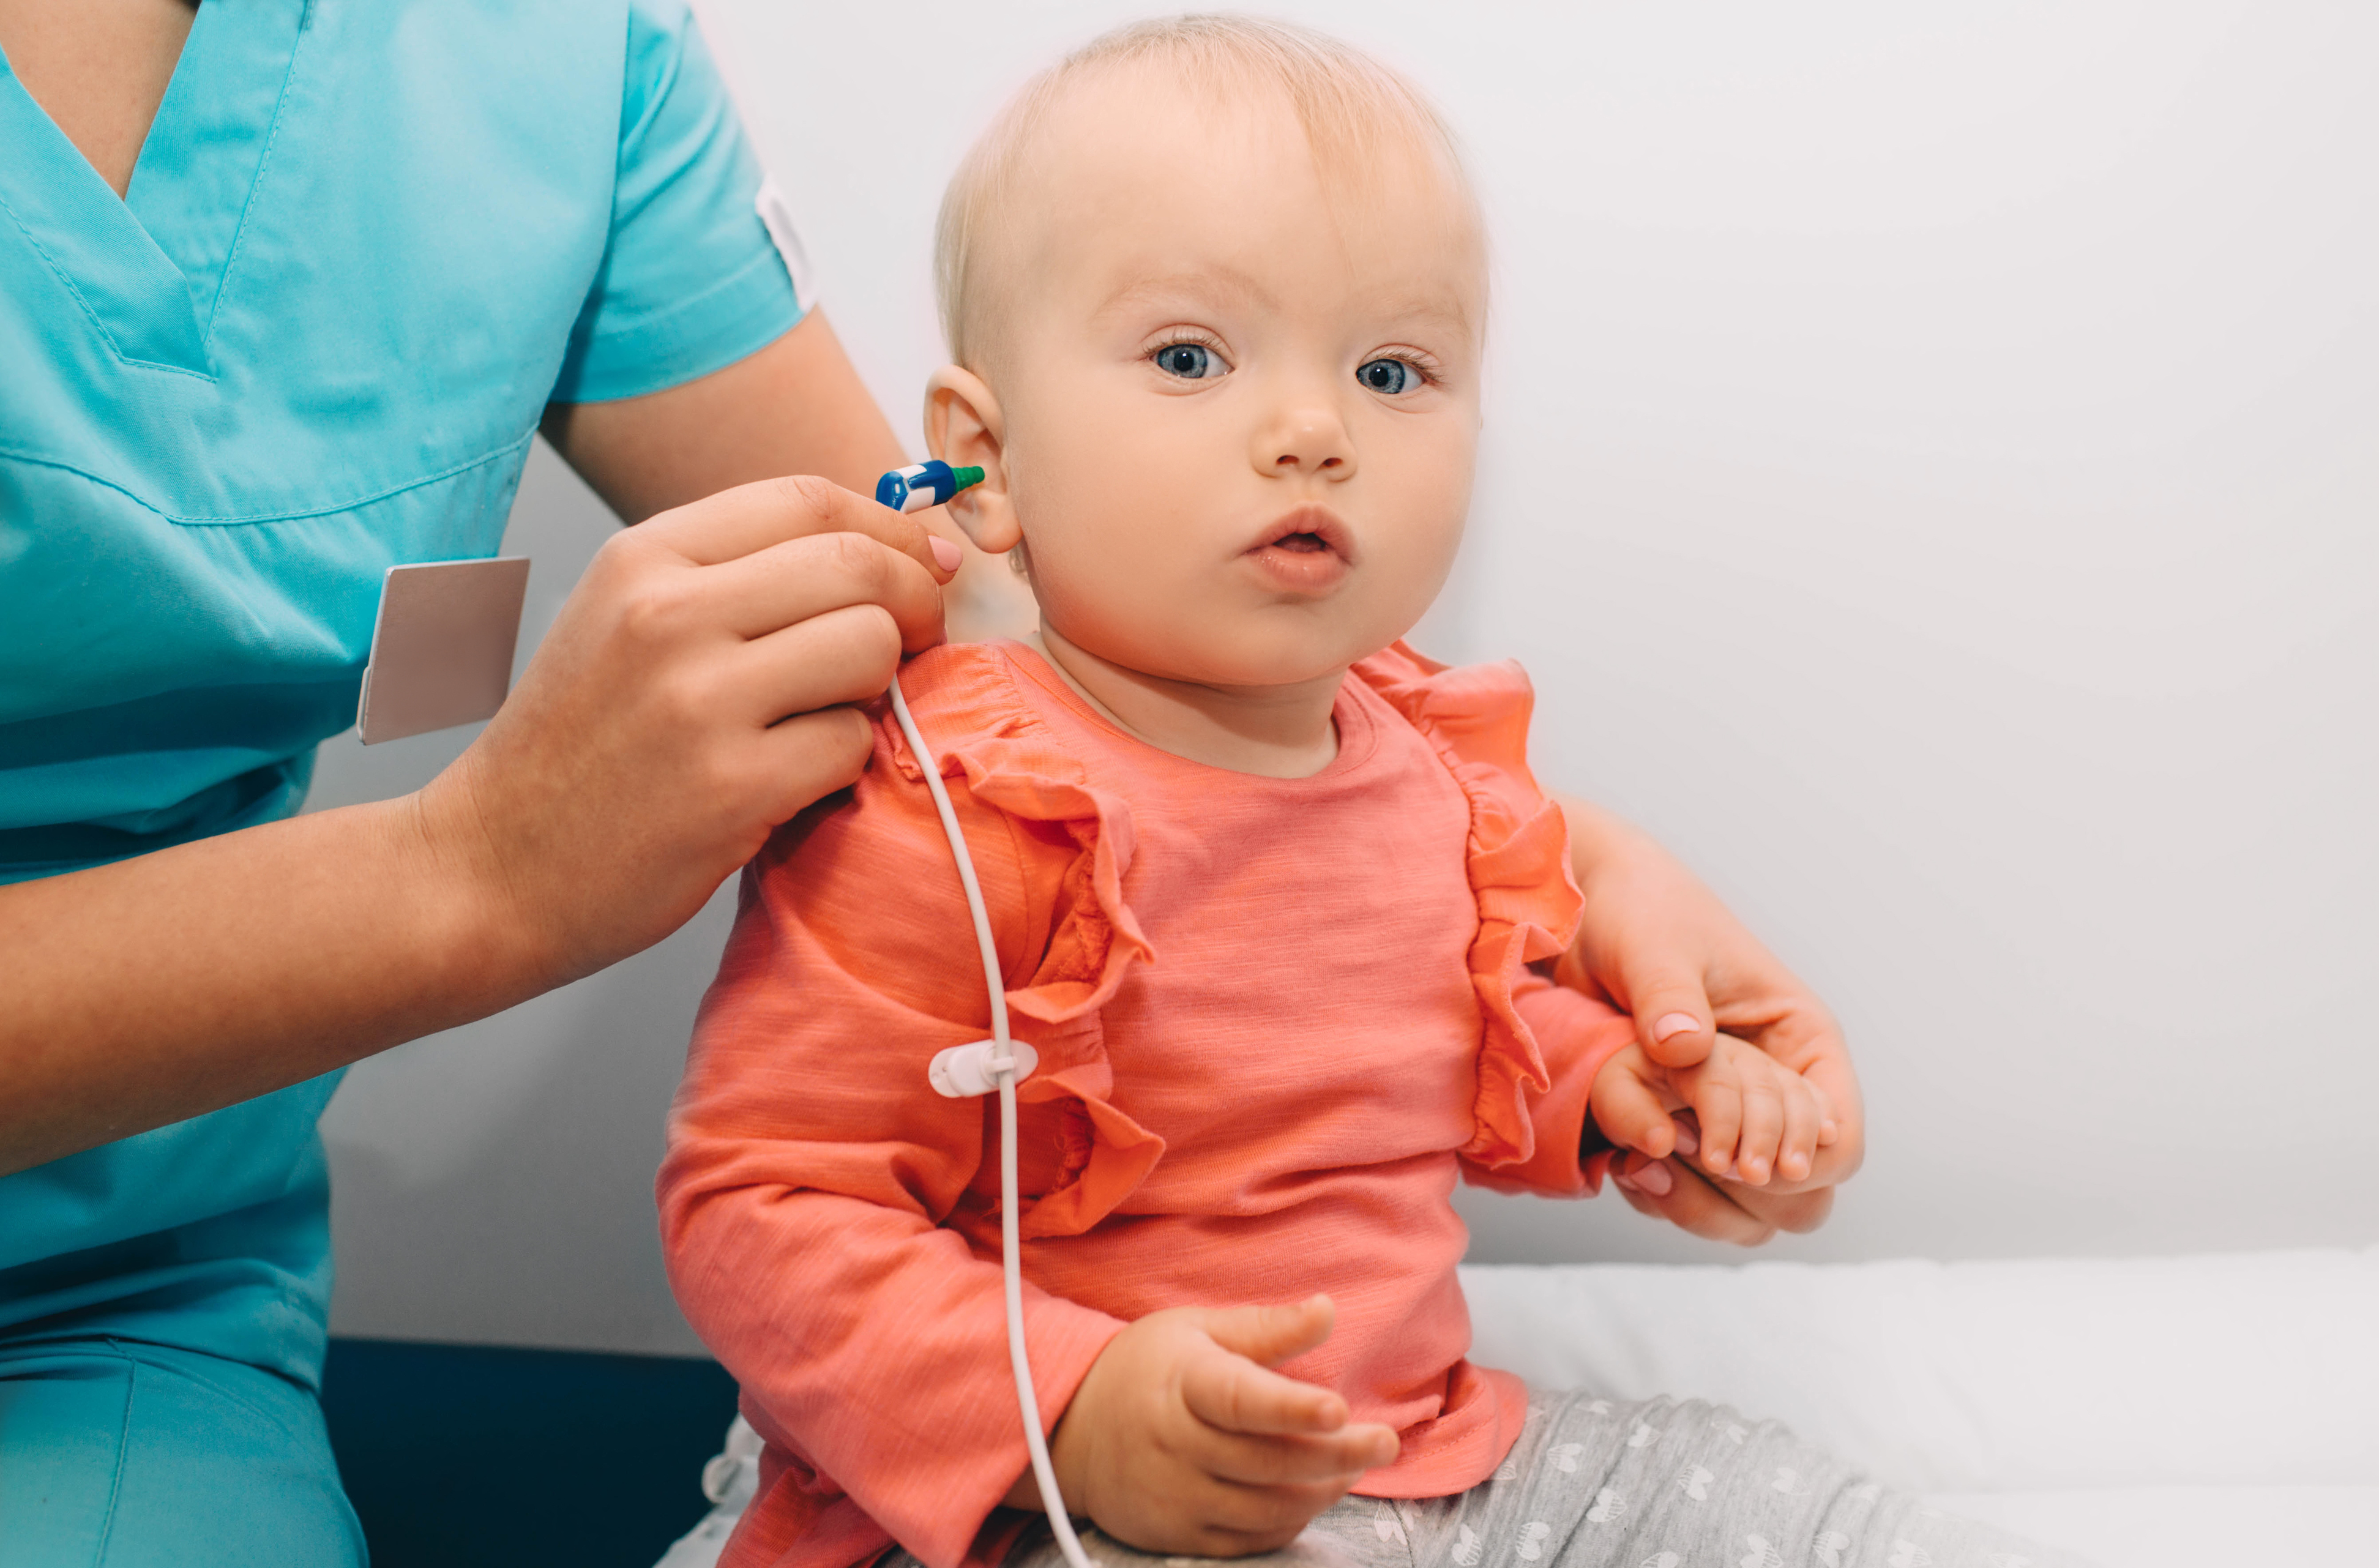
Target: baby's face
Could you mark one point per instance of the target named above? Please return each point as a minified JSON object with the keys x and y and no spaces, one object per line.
{"x":1241,"y":411}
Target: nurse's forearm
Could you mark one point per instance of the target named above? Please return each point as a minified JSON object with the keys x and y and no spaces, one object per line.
{"x":158,"y":988}
{"x":796,"y":407}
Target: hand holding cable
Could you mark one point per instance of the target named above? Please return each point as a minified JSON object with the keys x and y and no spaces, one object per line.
{"x":694,"y":695}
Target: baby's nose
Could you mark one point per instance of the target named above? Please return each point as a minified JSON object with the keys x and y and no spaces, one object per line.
{"x":1312,"y":442}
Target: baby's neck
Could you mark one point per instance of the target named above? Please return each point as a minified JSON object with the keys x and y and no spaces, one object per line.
{"x":1274,"y":731}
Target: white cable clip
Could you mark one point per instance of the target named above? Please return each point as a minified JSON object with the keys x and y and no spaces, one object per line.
{"x":961,"y":1072}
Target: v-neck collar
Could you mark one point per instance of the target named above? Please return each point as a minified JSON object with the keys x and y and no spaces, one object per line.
{"x":150,"y":266}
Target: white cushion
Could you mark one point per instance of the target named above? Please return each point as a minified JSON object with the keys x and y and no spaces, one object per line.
{"x":2192,"y":1527}
{"x":2256,"y":1370}
{"x":2148,"y":1413}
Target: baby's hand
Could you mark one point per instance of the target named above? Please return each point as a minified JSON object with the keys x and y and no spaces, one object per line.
{"x":1754,"y":1118}
{"x":1181,"y":1440}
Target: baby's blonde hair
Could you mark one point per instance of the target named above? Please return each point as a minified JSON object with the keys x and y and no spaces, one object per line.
{"x":1348,"y":104}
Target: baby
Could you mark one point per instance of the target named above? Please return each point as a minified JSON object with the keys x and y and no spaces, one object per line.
{"x":1273,"y":897}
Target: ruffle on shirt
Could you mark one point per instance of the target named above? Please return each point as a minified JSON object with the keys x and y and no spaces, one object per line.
{"x":1477,"y":718}
{"x":981,"y":732}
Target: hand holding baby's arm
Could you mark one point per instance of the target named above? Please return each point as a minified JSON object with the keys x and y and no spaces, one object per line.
{"x":1179,"y":1439}
{"x":1755,"y":1120}
{"x":1660,"y":943}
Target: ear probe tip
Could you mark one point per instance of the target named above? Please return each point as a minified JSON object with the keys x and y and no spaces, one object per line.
{"x":921,"y":485}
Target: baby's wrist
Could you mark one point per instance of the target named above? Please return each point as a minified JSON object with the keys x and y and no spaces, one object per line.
{"x":1025,"y":1492}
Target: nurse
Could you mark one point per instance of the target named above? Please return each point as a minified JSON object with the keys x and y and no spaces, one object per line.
{"x":285,"y":290}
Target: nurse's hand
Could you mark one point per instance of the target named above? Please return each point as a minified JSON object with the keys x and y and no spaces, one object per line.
{"x":691,"y":696}
{"x":1666,"y":950}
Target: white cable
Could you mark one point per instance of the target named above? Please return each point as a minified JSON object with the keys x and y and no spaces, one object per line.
{"x":1004,"y":1070}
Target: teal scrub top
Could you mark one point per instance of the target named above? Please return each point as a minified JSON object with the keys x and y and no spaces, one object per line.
{"x":363,"y":245}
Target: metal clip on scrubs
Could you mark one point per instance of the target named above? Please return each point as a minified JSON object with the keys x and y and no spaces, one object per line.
{"x":963,"y":1071}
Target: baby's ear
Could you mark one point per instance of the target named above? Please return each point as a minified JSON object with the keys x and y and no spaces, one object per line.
{"x":963,"y":428}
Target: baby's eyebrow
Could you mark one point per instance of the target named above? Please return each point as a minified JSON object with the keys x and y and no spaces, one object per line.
{"x":1429,"y":310}
{"x":1229,"y":286}
{"x":1217,"y":285}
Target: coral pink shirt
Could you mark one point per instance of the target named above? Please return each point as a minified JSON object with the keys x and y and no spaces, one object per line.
{"x":1276,"y":1017}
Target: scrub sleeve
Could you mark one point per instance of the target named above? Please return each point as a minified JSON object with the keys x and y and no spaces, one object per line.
{"x":363,"y":247}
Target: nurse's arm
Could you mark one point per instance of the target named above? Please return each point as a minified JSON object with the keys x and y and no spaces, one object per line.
{"x":669,"y":721}
{"x":797,"y":406}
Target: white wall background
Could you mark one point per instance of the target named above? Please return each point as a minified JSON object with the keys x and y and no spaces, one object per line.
{"x":1967,"y":425}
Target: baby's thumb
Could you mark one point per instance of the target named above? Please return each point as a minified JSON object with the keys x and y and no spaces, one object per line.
{"x":1269,"y":1335}
{"x":1673,"y":1017}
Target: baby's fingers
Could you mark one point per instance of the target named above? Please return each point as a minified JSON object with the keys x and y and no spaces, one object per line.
{"x":1718,"y":1111}
{"x":1805,"y":1117}
{"x":1331,"y":1459}
{"x":1763,"y":1131}
{"x":1631,"y":1115}
{"x":1233,"y":1395}
{"x":1233,"y":1520}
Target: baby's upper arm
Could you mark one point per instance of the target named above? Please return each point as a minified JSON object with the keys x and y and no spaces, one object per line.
{"x":851,"y":962}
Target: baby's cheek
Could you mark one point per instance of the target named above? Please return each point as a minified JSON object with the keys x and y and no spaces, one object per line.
{"x":1113,"y":600}
{"x":1418,"y":534}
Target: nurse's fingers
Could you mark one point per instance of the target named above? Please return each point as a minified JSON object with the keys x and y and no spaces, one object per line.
{"x":811,"y":756}
{"x":782,"y":584}
{"x":846,"y":654}
{"x":768,"y":512}
{"x":1679,"y":1195}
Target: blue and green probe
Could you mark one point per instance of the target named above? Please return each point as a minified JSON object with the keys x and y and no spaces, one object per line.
{"x":921,"y":485}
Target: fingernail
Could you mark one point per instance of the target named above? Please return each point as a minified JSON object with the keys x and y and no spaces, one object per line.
{"x":1829,"y":1132}
{"x":1674,"y":1024}
{"x":946,"y":554}
{"x":1688,"y":1141}
{"x":1655,"y":1179}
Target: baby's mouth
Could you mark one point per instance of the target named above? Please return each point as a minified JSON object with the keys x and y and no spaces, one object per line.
{"x":1309,"y":550}
{"x":1307,"y":530}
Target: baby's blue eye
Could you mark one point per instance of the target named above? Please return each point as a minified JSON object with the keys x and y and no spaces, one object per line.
{"x":1190,"y":361}
{"x":1388,"y":377}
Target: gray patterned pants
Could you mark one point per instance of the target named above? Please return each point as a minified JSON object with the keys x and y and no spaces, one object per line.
{"x":1660,"y":1484}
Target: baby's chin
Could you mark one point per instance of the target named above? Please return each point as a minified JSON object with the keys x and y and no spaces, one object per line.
{"x":1233,"y":657}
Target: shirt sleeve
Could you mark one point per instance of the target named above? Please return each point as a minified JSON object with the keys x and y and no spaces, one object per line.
{"x":823,"y":1209}
{"x":1577,"y":1034}
{"x":690,"y":281}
